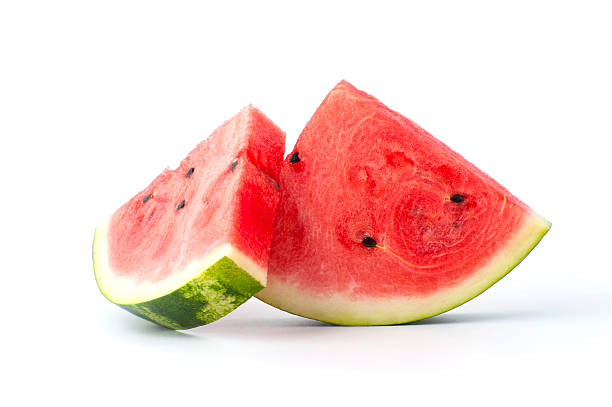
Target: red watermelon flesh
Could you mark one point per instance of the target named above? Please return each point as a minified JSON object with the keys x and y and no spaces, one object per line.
{"x":381,"y":223}
{"x":161,"y":249}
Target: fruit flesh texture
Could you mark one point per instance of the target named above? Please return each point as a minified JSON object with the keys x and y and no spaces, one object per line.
{"x":366,"y":171}
{"x":218,"y":205}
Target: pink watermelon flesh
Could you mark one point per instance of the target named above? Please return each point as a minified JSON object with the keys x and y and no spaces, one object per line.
{"x":222,"y":195}
{"x":220,"y":204}
{"x":379,"y":222}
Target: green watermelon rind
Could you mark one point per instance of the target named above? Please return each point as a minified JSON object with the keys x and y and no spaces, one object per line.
{"x":341,"y":309}
{"x":213,"y":293}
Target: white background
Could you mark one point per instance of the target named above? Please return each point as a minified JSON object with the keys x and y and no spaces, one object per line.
{"x":96,"y":98}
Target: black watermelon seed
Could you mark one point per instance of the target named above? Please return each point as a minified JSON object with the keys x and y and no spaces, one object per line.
{"x":191,"y":170}
{"x":457,"y":198}
{"x":146,"y":198}
{"x":181,"y":205}
{"x":368,"y":242}
{"x":234,"y":164}
{"x":295,"y":158}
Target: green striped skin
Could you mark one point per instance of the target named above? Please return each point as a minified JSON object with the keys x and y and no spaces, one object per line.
{"x":213,"y":294}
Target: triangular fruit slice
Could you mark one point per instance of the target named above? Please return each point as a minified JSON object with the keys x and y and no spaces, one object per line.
{"x":381,"y":223}
{"x":193,"y":245}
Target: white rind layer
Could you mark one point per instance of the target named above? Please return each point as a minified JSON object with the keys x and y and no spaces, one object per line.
{"x":127,"y":290}
{"x":343,"y":309}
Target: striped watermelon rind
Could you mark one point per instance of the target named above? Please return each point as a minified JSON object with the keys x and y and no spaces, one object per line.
{"x":205,"y":291}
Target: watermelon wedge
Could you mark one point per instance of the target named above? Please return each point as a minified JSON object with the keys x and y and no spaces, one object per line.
{"x":381,"y":223}
{"x":193,"y":245}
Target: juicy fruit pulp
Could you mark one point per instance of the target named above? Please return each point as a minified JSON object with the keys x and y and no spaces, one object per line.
{"x":381,"y":223}
{"x":193,"y":245}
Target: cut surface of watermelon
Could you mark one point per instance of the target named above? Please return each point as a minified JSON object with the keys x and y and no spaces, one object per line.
{"x":193,"y":245}
{"x":381,"y":223}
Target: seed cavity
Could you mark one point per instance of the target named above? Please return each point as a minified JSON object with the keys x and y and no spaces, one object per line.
{"x":457,"y":198}
{"x":146,"y":198}
{"x":191,"y":170}
{"x":368,"y":242}
{"x":295,"y":158}
{"x":234,"y":164}
{"x":181,"y":205}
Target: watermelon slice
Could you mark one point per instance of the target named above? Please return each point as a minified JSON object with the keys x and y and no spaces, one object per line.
{"x":381,"y":223}
{"x":193,"y":245}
